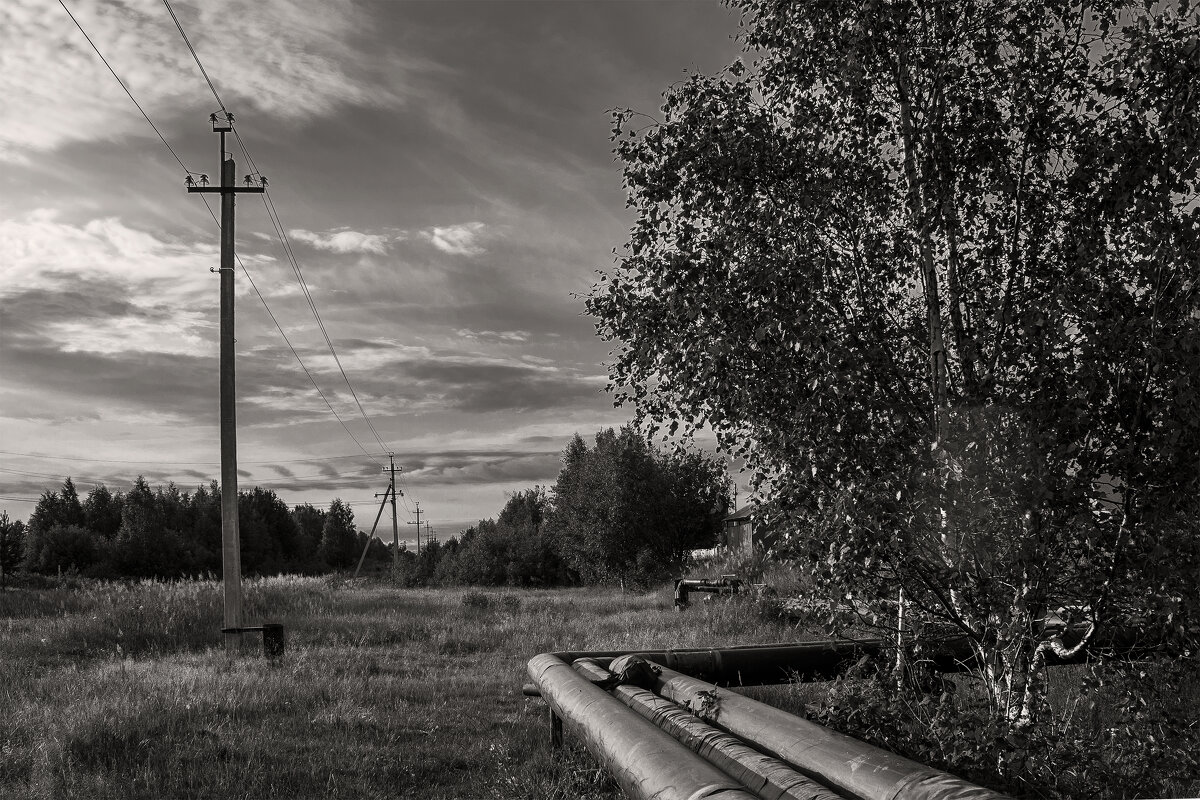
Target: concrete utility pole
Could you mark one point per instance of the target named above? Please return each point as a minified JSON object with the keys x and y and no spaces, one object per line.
{"x":418,"y":524}
{"x":395,"y":523}
{"x":231,"y":554}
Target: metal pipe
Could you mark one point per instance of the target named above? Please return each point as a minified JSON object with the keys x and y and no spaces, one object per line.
{"x":750,"y":665}
{"x":769,"y":778}
{"x":850,"y":767}
{"x":646,"y":762}
{"x":726,"y":584}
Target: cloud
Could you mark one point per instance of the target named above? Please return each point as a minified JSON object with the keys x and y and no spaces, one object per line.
{"x":488,"y":468}
{"x":41,"y":251}
{"x":457,"y":240}
{"x":508,"y":337}
{"x":343,"y":240}
{"x":487,"y":386}
{"x":106,"y":287}
{"x":175,"y":385}
{"x":288,"y":59}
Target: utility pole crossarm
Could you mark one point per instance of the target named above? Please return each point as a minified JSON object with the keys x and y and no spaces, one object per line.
{"x":226,"y":189}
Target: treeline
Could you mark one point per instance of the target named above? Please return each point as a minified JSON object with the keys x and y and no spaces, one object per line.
{"x":620,"y":512}
{"x":168,"y":533}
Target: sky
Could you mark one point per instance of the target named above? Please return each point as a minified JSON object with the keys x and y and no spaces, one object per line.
{"x":443,"y":173}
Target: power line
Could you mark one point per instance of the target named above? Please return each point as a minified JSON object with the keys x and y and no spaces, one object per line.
{"x":281,"y":234}
{"x":273,"y":215}
{"x":126,"y":88}
{"x":290,"y":253}
{"x":188,"y":42}
{"x":300,"y":361}
{"x":245,"y":271}
{"x":45,"y":457}
{"x":275,"y":479}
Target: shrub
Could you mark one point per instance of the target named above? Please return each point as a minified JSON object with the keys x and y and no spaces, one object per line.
{"x":1112,"y":730}
{"x":476,"y":600}
{"x":60,"y":547}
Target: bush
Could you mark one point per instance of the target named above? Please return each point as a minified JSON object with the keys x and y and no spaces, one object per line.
{"x":477,"y":601}
{"x":60,"y":547}
{"x":1110,"y":730}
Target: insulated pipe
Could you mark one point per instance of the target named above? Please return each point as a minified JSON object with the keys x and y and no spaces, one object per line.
{"x":745,"y":665}
{"x":850,"y":767}
{"x":750,"y":665}
{"x":646,"y":762}
{"x":769,"y":778}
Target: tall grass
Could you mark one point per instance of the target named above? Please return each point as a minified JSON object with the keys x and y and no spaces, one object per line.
{"x":125,"y":691}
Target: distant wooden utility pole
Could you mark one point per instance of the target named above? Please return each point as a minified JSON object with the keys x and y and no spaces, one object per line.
{"x":378,"y":515}
{"x":418,"y":524}
{"x":231,"y":553}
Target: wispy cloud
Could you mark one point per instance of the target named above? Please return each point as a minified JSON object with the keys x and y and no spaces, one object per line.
{"x":294,"y":60}
{"x":510,"y":337}
{"x":458,"y":240}
{"x":41,"y":251}
{"x":342,"y":240}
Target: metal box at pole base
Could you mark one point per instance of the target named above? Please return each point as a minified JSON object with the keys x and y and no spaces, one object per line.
{"x":273,"y":640}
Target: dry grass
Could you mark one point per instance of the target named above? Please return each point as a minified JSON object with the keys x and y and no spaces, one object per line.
{"x":122,"y":691}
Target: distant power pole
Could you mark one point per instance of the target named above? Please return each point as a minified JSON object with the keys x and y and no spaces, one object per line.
{"x":395,"y":523}
{"x":371,"y":535}
{"x":231,"y":555}
{"x":418,"y":524}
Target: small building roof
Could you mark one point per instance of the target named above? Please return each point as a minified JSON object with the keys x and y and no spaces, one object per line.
{"x":743,"y":513}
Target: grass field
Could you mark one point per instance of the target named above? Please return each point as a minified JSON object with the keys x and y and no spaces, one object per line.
{"x":123,"y":691}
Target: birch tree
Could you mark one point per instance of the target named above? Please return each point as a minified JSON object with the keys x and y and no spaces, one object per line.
{"x":930,"y":268}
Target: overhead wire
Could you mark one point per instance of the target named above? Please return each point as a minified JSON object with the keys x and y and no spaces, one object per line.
{"x":275,"y":483}
{"x":126,"y":88}
{"x":285,"y":243}
{"x":288,"y":341}
{"x":209,"y":208}
{"x":188,"y":42}
{"x":290,"y":253}
{"x":273,"y":214}
{"x":45,"y":457}
{"x":92,"y":480}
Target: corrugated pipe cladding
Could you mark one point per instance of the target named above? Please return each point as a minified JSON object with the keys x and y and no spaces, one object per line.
{"x":666,"y":735}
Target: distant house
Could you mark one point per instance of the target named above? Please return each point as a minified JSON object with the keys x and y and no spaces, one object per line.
{"x":738,"y":534}
{"x":747,"y":529}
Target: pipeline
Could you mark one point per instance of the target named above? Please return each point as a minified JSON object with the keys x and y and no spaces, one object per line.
{"x":769,"y":778}
{"x":645,"y":761}
{"x":648,"y":763}
{"x":850,"y":767}
{"x":754,"y":665}
{"x":726,"y":584}
{"x":651,"y":765}
{"x":750,"y":665}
